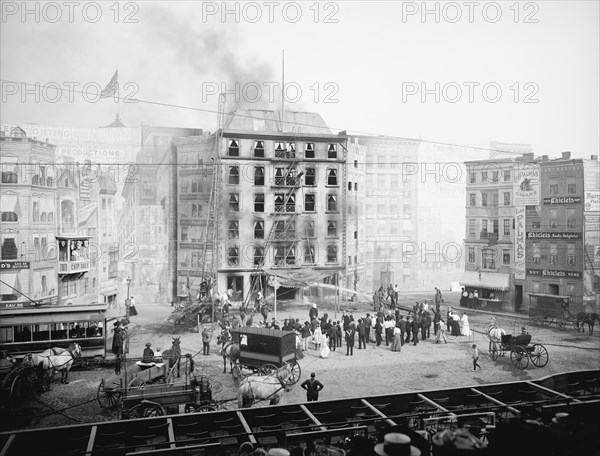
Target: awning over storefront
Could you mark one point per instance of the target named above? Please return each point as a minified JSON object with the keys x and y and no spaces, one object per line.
{"x":303,"y":277}
{"x":487,"y":280}
{"x":9,"y":202}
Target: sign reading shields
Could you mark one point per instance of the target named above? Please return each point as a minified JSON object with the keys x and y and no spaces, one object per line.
{"x":526,"y":185}
{"x":520,"y":242}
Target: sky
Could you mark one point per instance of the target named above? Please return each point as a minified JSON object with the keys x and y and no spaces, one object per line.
{"x":522,"y":72}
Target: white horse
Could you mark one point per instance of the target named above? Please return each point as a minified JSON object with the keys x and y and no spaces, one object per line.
{"x":260,"y":388}
{"x":56,"y":363}
{"x":494,"y":332}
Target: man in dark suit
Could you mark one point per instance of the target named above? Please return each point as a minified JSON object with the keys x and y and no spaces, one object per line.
{"x":361,"y":334}
{"x":312,"y":387}
{"x":350,"y":332}
{"x":378,"y":329}
{"x":402,"y":325}
{"x":415,"y":325}
{"x":368,"y":324}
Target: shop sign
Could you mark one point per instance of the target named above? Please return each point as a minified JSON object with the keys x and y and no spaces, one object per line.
{"x":559,"y":274}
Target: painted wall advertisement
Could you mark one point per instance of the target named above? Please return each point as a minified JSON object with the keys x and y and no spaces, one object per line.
{"x":520,"y":242}
{"x":526,"y":185}
{"x":591,"y":201}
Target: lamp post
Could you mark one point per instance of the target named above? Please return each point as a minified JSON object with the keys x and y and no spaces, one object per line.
{"x":127,"y":301}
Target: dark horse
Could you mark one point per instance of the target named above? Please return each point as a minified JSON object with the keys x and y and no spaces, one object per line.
{"x":589,"y":318}
{"x":173,"y":354}
{"x":228,"y":350}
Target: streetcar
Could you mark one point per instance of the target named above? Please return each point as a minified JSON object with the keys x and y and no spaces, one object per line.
{"x":59,"y":330}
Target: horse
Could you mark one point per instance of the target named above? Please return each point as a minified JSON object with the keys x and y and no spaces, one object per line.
{"x":229,"y":350}
{"x":173,"y":355}
{"x":57,"y":363}
{"x":260,"y":388}
{"x":589,"y":318}
{"x":54,"y":351}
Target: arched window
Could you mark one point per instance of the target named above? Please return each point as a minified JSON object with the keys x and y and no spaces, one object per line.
{"x":332,"y":177}
{"x":36,"y":211}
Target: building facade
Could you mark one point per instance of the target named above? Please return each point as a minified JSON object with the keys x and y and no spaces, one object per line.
{"x":283,"y":199}
{"x":557,"y":258}
{"x":48,"y":272}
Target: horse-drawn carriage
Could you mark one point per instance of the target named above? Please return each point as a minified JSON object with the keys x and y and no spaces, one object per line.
{"x":520,"y":350}
{"x":264,"y":351}
{"x":545,"y":309}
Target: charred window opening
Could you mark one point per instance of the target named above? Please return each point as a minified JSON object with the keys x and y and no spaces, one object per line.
{"x":259,"y":255}
{"x":233,"y":257}
{"x":234,"y":202}
{"x":259,"y":230}
{"x":259,"y":149}
{"x":332,"y":151}
{"x":259,"y":175}
{"x":234,"y":148}
{"x":234,"y":175}
{"x":259,"y":202}
{"x":309,"y":150}
{"x":331,"y":203}
{"x":234,"y":229}
{"x":332,"y":177}
{"x":310,"y":177}
{"x":332,"y":253}
{"x":309,"y":203}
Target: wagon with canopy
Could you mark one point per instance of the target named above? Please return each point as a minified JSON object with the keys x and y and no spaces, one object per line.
{"x":545,"y":309}
{"x":264,"y":351}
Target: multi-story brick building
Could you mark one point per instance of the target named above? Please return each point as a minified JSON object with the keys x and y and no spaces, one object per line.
{"x":526,"y":230}
{"x":556,"y":230}
{"x":283,"y":200}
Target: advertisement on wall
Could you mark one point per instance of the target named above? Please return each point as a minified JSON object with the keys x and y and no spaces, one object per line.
{"x":526,"y":185}
{"x":520,"y":242}
{"x":591,"y":201}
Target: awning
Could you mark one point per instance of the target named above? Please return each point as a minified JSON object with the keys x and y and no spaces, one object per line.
{"x":46,"y":205}
{"x":8,"y":202}
{"x":303,"y":277}
{"x":11,"y":281}
{"x":9,"y":163}
{"x":488,"y":280}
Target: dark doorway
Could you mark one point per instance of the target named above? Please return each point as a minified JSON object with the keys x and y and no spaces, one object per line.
{"x":518,"y":297}
{"x":386,"y":278}
{"x":237,"y":284}
{"x":552,"y":289}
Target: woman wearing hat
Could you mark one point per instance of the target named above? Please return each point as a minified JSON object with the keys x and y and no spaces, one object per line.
{"x":148,"y":356}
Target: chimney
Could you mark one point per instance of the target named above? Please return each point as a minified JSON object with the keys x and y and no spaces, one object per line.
{"x":528,"y":156}
{"x":594,"y":157}
{"x":544,"y":158}
{"x":566,"y":156}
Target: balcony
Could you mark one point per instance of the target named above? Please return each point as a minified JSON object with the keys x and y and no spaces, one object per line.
{"x":73,"y":267}
{"x":486,"y":235}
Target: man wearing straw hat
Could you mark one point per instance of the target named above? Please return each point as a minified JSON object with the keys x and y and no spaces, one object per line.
{"x":396,"y":444}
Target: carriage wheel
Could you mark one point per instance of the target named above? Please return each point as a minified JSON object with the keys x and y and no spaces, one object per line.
{"x":519,"y":358}
{"x":494,"y":352}
{"x":108,"y":398}
{"x":294,"y":374}
{"x":236,"y":374}
{"x":205,"y":408}
{"x":16,"y":391}
{"x":148,"y":410}
{"x":268,"y":369}
{"x":136,"y":383}
{"x":539,"y":355}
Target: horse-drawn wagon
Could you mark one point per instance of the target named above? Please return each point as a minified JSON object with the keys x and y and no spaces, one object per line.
{"x":520,"y":350}
{"x":265,"y":351}
{"x":111,"y":389}
{"x":545,"y":309}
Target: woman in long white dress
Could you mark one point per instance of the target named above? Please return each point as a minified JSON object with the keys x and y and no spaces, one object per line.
{"x":317,"y":338}
{"x":464,"y":325}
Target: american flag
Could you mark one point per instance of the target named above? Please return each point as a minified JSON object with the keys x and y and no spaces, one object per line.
{"x":112,"y":87}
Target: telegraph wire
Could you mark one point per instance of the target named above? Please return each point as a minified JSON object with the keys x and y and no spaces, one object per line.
{"x":368,"y":135}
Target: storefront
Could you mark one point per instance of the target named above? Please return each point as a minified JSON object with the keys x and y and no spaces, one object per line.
{"x":493,"y":290}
